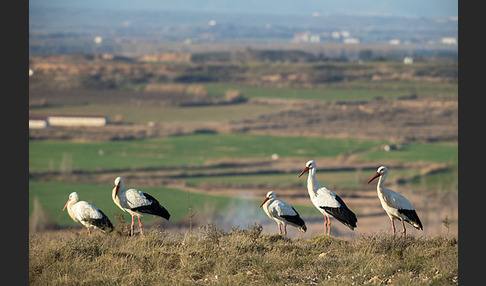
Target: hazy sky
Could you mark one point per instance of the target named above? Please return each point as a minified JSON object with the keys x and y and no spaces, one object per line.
{"x":413,"y":8}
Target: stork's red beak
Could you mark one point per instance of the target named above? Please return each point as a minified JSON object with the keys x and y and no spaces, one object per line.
{"x":264,"y":201}
{"x":374,"y":177}
{"x":65,"y":206}
{"x":303,"y":171}
{"x":116,"y":190}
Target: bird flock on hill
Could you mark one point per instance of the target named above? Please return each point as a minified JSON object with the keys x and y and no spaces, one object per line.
{"x":138,"y":204}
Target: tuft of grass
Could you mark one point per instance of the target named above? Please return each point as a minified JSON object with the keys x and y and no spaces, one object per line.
{"x":239,"y":257}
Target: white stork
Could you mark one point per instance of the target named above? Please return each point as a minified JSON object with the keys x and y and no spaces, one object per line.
{"x":326,"y":201}
{"x":87,"y":214}
{"x":282,"y":213}
{"x":395,"y":205}
{"x":136,"y":203}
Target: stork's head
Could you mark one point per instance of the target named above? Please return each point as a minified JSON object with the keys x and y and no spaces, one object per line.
{"x":382,"y":170}
{"x":73,"y":197}
{"x":118,"y":184}
{"x":311,"y":164}
{"x":270,"y":195}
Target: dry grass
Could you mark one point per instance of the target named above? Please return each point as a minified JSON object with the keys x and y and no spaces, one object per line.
{"x":39,"y":220}
{"x":210,"y":256}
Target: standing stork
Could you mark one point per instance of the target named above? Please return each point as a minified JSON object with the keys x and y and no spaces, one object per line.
{"x":395,"y":205}
{"x":326,"y":201}
{"x":282,"y":213}
{"x":136,"y":203}
{"x":87,"y":214}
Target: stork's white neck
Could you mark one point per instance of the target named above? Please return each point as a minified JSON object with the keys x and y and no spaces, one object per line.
{"x":265,"y":206}
{"x":381,"y":182}
{"x":120,"y":189}
{"x":70,"y":210}
{"x":312,"y":184}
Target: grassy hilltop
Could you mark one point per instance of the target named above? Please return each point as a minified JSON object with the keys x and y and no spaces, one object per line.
{"x":209,"y":256}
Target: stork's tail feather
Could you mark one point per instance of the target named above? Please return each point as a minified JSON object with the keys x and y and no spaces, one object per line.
{"x":163,"y":212}
{"x":104,"y":224}
{"x":343,"y":214}
{"x":412,"y":218}
{"x":154,"y":208}
{"x":348,"y":218}
{"x":296,"y":221}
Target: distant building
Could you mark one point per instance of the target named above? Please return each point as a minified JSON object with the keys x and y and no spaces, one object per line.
{"x":98,"y":40}
{"x":38,"y":121}
{"x":43,"y":121}
{"x":408,"y":60}
{"x":80,"y":120}
{"x":306,"y":37}
{"x":449,"y":41}
{"x":352,"y":41}
{"x":335,"y":35}
{"x":394,"y":42}
{"x":301,"y":37}
{"x":315,"y":38}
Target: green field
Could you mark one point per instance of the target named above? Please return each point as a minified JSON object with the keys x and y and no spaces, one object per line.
{"x":184,"y":150}
{"x":53,"y":196}
{"x":427,"y":152}
{"x":173,"y":151}
{"x":308,"y":94}
{"x":355,"y":91}
{"x":192,"y":150}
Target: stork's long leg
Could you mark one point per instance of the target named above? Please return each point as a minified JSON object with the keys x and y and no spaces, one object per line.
{"x":404,"y":230}
{"x":328,"y":226}
{"x":131,"y":228}
{"x":325,"y":225}
{"x":279,"y":229}
{"x":285,"y":230}
{"x":393,"y":226}
{"x":140,"y":225}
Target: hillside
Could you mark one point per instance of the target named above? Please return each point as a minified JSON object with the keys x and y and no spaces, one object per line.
{"x":209,"y":256}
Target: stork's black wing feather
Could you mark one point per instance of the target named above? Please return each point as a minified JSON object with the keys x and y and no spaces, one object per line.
{"x":154,"y":208}
{"x":412,"y":218}
{"x":295,"y":219}
{"x":342,"y":214}
{"x":103,"y":223}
